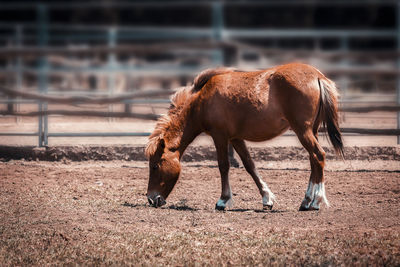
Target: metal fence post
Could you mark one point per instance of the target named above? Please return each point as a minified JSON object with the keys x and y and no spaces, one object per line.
{"x":218,"y":54}
{"x":398,"y":67}
{"x":217,"y":29}
{"x":18,"y":77}
{"x":217,"y":20}
{"x":344,"y":81}
{"x":42,"y":39}
{"x":112,"y":40}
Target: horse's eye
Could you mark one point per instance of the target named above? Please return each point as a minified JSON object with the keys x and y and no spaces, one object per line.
{"x":155,"y":167}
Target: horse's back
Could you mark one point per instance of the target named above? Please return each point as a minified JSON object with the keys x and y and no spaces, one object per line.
{"x":257,"y":86}
{"x":241,"y":104}
{"x":260,"y":105}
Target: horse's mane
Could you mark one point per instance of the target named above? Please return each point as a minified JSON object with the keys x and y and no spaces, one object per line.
{"x":206,"y":75}
{"x":178,"y":100}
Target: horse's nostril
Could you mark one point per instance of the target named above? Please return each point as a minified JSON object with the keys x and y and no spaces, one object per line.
{"x":156,"y":201}
{"x":160,"y":201}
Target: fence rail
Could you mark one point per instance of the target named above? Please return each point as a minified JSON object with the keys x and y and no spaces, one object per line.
{"x":125,"y":97}
{"x":29,"y":51}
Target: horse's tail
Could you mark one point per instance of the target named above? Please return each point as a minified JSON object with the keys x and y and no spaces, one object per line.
{"x":329,"y":113}
{"x":206,"y":75}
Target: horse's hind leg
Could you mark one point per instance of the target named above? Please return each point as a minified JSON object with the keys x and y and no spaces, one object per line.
{"x":267,"y":196}
{"x":221,"y":145}
{"x":315,"y":193}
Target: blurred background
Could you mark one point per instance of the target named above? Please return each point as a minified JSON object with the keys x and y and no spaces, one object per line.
{"x":96,"y":72}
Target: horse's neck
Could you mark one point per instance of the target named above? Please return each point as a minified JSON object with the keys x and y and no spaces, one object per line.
{"x":190,"y":129}
{"x":186,"y":140}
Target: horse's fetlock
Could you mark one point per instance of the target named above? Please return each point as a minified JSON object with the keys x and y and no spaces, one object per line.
{"x":222,"y":204}
{"x":268,"y":200}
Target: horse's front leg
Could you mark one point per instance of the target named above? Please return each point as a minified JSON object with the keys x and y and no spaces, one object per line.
{"x":221,"y":145}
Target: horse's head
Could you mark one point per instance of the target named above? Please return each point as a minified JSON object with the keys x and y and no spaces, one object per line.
{"x":164,"y":173}
{"x":162,"y":150}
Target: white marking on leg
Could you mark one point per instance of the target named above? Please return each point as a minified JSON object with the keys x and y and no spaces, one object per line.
{"x":225,"y":203}
{"x":319,"y":196}
{"x":221,"y":203}
{"x":268,"y":197}
{"x":309,"y":195}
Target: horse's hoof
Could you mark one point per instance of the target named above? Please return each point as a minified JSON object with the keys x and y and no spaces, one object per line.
{"x":267,"y":207}
{"x":314,"y":208}
{"x":302,"y":208}
{"x":223,"y":204}
{"x":219,"y":207}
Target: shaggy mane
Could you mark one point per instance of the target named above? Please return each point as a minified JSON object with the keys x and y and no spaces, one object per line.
{"x":157,"y":135}
{"x":164,"y":123}
{"x":178,"y":101}
{"x":206,"y":75}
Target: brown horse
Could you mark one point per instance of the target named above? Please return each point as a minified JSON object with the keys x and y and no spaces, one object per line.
{"x":233,"y":106}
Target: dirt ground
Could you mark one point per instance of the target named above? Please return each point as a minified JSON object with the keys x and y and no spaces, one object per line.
{"x":96,"y":213}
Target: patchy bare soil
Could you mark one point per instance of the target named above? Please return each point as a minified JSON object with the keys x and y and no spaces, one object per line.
{"x":95,"y":213}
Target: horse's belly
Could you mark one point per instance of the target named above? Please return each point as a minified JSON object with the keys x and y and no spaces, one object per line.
{"x":262,"y":129}
{"x":256,"y":117}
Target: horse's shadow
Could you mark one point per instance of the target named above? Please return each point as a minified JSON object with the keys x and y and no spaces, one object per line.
{"x":184,"y":207}
{"x":256,"y":210}
{"x":134,"y":205}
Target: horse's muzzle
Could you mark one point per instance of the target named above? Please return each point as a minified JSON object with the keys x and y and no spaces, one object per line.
{"x":158,"y":201}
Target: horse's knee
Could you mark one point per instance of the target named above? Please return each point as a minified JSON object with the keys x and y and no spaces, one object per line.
{"x":320,"y":153}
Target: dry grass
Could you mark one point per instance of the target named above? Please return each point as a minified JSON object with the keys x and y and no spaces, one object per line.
{"x":34,"y":247}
